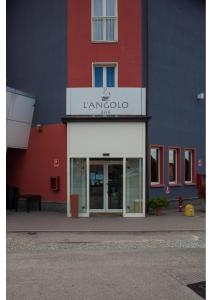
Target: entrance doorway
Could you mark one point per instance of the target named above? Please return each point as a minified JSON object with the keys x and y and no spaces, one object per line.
{"x":106,"y":185}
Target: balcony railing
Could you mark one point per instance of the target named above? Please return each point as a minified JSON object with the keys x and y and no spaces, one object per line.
{"x":104,"y":28}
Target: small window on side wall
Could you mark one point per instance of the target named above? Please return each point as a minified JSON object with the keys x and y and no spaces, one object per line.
{"x":156,"y":173}
{"x":174,"y":165}
{"x":189,"y":162}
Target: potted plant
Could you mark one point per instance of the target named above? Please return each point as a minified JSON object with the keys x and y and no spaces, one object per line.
{"x":157,"y":204}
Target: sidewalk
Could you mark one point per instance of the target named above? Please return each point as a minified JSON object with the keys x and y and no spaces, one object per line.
{"x":55,"y":221}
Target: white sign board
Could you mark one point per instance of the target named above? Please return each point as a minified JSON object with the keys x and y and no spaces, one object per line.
{"x":105,"y":101}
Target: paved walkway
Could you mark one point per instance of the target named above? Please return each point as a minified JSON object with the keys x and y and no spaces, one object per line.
{"x":55,"y":221}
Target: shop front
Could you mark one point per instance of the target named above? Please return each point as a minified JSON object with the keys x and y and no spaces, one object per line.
{"x":106,"y":150}
{"x":106,"y":163}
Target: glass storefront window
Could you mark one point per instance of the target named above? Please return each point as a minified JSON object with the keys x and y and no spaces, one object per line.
{"x":78,"y":184}
{"x":134,"y":185}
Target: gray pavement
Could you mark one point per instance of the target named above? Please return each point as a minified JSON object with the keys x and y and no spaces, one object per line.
{"x":99,"y":265}
{"x":55,"y":221}
{"x":50,"y":256}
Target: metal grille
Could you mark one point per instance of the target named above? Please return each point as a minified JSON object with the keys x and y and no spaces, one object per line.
{"x":104,"y":28}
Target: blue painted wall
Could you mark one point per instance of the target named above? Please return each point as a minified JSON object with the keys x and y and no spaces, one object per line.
{"x":36,"y":54}
{"x":176,"y":62}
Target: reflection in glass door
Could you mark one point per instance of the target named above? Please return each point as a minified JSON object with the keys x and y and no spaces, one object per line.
{"x":97,"y":186}
{"x":115,"y":186}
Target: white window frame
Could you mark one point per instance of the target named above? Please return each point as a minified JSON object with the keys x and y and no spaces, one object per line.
{"x":104,"y":66}
{"x":104,"y":23}
{"x":159,"y":165}
{"x":192,"y":165}
{"x":176,"y":164}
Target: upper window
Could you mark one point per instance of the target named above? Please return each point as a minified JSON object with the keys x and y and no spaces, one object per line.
{"x":174,"y":165}
{"x":189,"y":156}
{"x":104,"y":20}
{"x":104,"y":76}
{"x":156,"y":165}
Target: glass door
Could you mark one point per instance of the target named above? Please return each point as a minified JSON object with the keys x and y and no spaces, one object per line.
{"x":114,"y":186}
{"x":106,"y":186}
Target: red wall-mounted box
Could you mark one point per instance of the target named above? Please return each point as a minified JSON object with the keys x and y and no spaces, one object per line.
{"x":55,"y":183}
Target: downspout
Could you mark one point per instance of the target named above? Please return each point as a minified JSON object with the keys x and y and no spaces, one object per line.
{"x":145,"y":64}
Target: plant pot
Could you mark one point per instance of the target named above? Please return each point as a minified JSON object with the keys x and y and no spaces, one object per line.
{"x":158,"y":211}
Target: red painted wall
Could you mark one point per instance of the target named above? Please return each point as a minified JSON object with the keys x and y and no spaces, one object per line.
{"x":82,"y":52}
{"x":31,"y":169}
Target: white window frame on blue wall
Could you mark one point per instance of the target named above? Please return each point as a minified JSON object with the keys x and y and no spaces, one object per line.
{"x":104,"y":67}
{"x":105,"y":23}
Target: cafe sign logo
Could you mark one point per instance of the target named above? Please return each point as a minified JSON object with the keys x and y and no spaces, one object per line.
{"x":106,"y":95}
{"x":106,"y":105}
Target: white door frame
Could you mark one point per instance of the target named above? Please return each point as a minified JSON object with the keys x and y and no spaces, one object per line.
{"x":105,"y":164}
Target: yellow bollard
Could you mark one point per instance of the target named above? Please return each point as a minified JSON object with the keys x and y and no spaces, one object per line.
{"x":189,"y":210}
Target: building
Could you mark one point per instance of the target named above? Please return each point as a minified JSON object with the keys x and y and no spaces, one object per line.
{"x":120,"y":100}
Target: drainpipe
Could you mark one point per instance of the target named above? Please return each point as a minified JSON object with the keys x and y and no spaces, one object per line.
{"x":145,"y":61}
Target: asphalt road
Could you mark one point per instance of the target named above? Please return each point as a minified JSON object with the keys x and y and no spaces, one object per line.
{"x":104,"y":266}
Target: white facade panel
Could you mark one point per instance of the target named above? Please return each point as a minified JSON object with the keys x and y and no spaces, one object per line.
{"x":105,"y":101}
{"x":9,"y":103}
{"x":118,"y":139}
{"x":20,"y":108}
{"x":17,"y":134}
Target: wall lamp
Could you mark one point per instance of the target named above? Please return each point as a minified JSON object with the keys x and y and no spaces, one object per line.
{"x":200,"y":96}
{"x":39,"y":127}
